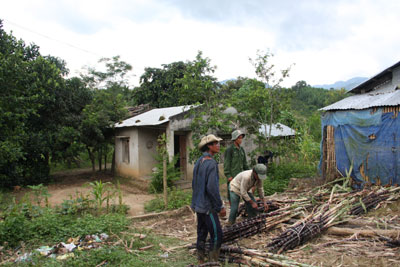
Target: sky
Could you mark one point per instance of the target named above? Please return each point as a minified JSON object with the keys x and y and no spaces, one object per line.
{"x":323,"y":41}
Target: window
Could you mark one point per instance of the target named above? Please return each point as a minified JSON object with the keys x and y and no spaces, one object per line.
{"x":125,"y":150}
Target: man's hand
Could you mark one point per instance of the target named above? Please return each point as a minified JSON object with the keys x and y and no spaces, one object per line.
{"x":266,"y":207}
{"x":253,"y":204}
{"x":222,"y":212}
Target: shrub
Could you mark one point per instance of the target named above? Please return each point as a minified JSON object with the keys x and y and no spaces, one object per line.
{"x":176,"y":199}
{"x":279,"y":175}
{"x":173,"y":174}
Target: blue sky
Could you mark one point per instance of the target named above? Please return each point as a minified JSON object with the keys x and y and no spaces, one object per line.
{"x":327,"y":41}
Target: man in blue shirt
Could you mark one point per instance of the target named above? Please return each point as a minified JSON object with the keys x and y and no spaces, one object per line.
{"x":206,"y":199}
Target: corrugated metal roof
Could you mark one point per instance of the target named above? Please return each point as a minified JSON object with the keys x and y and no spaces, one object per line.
{"x":368,"y":100}
{"x":369,"y":84}
{"x":153,"y":117}
{"x":277,"y":130}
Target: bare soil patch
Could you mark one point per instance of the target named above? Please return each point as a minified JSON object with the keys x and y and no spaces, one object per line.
{"x":69,"y":184}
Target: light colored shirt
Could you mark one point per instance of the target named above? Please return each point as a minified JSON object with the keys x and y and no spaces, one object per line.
{"x":243,"y":182}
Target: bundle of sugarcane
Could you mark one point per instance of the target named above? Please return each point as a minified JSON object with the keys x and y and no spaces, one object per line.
{"x":369,"y":200}
{"x":272,"y":206}
{"x":308,"y":228}
{"x":255,"y":257}
{"x":258,"y":224}
{"x":391,"y":242}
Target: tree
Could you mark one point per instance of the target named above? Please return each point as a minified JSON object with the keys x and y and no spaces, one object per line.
{"x":265,"y":70}
{"x":33,"y":111}
{"x":197,"y":84}
{"x":107,"y":108}
{"x":158,"y":86}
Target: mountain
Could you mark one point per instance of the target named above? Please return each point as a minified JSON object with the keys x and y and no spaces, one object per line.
{"x":349,"y":84}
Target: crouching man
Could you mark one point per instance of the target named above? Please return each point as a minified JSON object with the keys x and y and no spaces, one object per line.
{"x":240,"y":187}
{"x":206,"y":199}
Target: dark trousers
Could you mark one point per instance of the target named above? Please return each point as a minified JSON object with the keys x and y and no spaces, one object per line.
{"x":208,"y":223}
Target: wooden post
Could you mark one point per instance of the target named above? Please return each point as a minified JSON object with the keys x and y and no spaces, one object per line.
{"x":165,"y":181}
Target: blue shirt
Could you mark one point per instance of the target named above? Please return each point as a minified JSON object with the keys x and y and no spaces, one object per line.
{"x":205,"y":185}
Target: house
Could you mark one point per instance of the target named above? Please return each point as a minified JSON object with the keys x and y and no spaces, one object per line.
{"x":362,"y":132}
{"x":136,"y":141}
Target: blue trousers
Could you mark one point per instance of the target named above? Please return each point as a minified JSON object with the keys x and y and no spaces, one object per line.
{"x":208,"y":223}
{"x":235,"y":200}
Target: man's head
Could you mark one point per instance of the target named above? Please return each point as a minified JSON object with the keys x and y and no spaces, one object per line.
{"x":237,"y":136}
{"x":210,"y":143}
{"x":261,"y":171}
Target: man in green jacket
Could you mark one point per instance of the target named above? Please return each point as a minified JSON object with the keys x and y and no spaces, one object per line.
{"x":234,"y":159}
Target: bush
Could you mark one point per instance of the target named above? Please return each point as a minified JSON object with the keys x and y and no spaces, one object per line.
{"x":173,"y":174}
{"x":48,"y":225}
{"x":279,"y":175}
{"x":176,"y":199}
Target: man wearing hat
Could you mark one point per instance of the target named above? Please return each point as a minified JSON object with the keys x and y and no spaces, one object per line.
{"x":234,"y":158}
{"x":240,"y":186}
{"x":206,"y":200}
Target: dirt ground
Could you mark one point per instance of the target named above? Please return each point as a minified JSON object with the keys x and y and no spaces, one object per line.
{"x":71,"y":183}
{"x":326,"y":250}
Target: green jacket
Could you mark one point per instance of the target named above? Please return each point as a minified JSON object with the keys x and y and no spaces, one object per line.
{"x":235,"y":161}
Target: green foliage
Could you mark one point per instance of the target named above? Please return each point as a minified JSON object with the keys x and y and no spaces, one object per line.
{"x":279,"y":175}
{"x":307,"y":99}
{"x":39,"y":112}
{"x":173,"y":174}
{"x":176,"y":199}
{"x":117,"y":254}
{"x":158,"y":86}
{"x":28,"y":223}
{"x":101,"y":192}
{"x":40,"y":193}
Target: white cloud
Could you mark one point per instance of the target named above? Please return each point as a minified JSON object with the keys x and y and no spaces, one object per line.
{"x":327,"y":41}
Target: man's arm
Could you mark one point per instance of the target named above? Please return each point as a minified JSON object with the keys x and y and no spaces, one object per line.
{"x":245,"y":165}
{"x":212,"y":187}
{"x":228,"y":163}
{"x":260,"y":189}
{"x":244,"y":187}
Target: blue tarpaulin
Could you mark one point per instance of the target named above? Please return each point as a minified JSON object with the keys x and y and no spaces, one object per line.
{"x":371,"y":140}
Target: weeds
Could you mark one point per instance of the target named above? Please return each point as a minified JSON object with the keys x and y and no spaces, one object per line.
{"x":176,"y":198}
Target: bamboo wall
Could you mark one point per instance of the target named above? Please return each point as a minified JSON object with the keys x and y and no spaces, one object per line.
{"x":329,"y":167}
{"x":329,"y":164}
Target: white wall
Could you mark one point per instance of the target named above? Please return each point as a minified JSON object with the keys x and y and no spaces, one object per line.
{"x":123,"y":168}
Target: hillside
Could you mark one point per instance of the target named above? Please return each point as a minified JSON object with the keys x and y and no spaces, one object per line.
{"x":349,"y":84}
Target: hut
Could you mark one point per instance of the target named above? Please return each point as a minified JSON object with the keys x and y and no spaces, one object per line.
{"x":361,"y":133}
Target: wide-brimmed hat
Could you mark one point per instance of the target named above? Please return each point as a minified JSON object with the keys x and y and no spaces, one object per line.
{"x":261,"y":171}
{"x":208,"y":139}
{"x":236,"y":134}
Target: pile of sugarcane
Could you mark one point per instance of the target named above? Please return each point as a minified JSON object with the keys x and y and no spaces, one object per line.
{"x":254,"y":257}
{"x":393,"y":243}
{"x":370,"y":201}
{"x":272,"y":206}
{"x":308,"y":228}
{"x":258,"y":224}
{"x":326,"y":216}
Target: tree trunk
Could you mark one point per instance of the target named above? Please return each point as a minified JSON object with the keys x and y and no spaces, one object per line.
{"x":92,"y":159}
{"x":113,"y":163}
{"x":99,"y":156}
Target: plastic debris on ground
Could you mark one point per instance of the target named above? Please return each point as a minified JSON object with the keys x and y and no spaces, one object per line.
{"x":63,"y":251}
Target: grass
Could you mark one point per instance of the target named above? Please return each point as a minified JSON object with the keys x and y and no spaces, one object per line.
{"x":117,"y":255}
{"x":24,"y":227}
{"x":176,"y":199}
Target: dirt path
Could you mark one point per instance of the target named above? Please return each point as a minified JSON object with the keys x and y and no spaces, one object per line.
{"x":72,"y":183}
